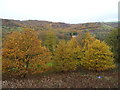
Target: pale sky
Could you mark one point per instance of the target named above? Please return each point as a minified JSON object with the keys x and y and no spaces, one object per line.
{"x":68,"y":11}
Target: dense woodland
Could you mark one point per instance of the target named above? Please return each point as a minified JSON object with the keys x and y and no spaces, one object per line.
{"x":31,"y":47}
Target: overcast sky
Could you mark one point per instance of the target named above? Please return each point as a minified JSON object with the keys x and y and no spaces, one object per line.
{"x":68,"y":11}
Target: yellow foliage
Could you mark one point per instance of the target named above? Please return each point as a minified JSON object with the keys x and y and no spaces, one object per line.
{"x":67,"y":55}
{"x":98,"y":56}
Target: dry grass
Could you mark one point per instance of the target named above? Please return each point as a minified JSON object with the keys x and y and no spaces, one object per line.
{"x":78,"y":79}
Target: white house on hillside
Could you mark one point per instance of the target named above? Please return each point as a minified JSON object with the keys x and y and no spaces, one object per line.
{"x":73,"y":35}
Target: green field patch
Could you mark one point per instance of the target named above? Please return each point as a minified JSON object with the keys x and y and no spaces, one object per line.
{"x":50,"y":64}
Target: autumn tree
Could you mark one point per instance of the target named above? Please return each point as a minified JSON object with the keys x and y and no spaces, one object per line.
{"x":97,"y":55}
{"x":50,"y":40}
{"x":79,"y":37}
{"x":67,"y":55}
{"x":23,"y":53}
{"x":87,"y":39}
{"x":41,"y":35}
{"x":113,"y":40}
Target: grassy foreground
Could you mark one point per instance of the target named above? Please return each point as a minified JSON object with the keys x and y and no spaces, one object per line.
{"x":77,"y":79}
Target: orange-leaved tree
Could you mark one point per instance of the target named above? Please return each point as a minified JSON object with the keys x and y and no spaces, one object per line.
{"x":23,"y":53}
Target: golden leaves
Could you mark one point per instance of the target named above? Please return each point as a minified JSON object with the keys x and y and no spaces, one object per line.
{"x":22,"y":49}
{"x":98,"y":56}
{"x":66,"y":55}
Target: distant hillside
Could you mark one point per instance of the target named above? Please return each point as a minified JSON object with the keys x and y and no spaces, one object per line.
{"x":42,"y":25}
{"x":34,"y":24}
{"x":97,"y":28}
{"x":113,"y":24}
